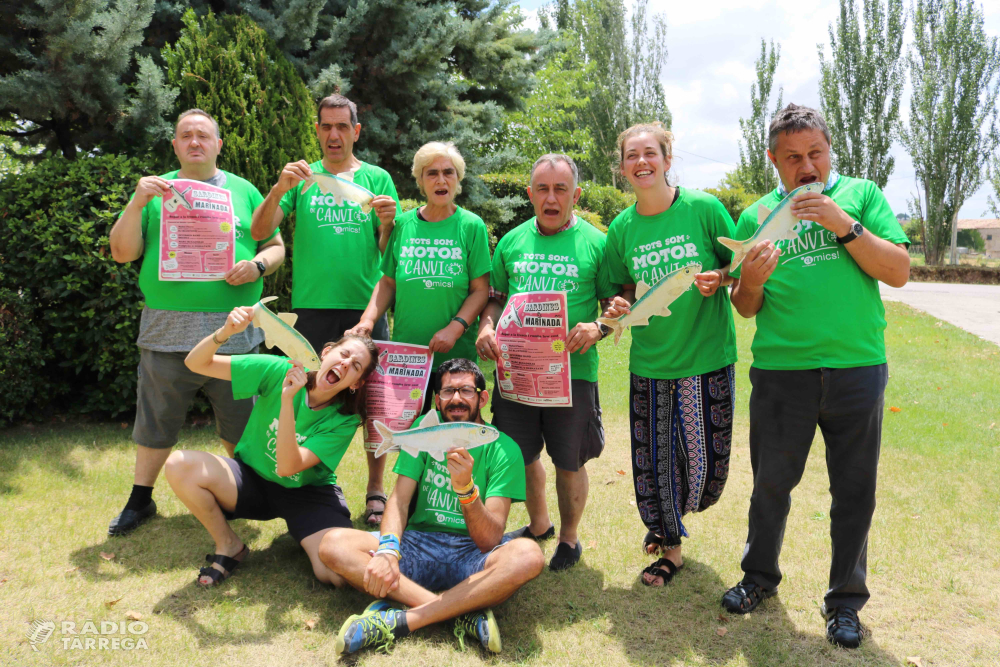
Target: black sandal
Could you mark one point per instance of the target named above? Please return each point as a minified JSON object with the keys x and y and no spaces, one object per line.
{"x":369,"y":513}
{"x":663,"y":568}
{"x":744,"y":597}
{"x":655,"y":540}
{"x":229,"y":564}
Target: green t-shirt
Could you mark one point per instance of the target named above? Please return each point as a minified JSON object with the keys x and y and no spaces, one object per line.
{"x":214,"y":296}
{"x":326,"y":432}
{"x":498,"y":469}
{"x":820,"y":309}
{"x":699,"y":335}
{"x":570,"y":261}
{"x":432,"y":264}
{"x":335,"y":253}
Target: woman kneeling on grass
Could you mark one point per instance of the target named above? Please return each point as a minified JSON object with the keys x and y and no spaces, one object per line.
{"x":681,"y":399}
{"x":285,"y":461}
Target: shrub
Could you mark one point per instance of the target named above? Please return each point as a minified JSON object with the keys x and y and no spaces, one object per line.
{"x":229,"y":67}
{"x":24,"y":357}
{"x":54,"y":224}
{"x":604,"y":200}
{"x":734,"y":198}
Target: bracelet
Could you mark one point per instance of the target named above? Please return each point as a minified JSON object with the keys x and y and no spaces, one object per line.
{"x":464,"y":490}
{"x":471,"y":498}
{"x":458,"y":319}
{"x":216,"y":340}
{"x":392,"y":552}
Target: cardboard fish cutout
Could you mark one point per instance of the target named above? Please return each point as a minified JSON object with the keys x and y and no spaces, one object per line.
{"x":434,"y":437}
{"x":773,"y":226}
{"x":653,"y":301}
{"x":279,"y":329}
{"x":342,"y":187}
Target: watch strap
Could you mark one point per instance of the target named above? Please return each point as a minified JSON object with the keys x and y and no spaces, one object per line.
{"x":856,"y":230}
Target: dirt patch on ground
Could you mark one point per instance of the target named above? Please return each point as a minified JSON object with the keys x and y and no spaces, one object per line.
{"x":971,"y":275}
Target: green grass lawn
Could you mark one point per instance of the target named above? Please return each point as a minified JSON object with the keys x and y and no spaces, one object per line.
{"x":934,"y":555}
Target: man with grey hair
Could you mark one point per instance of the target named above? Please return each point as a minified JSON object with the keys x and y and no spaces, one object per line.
{"x":178,"y":315}
{"x":818,"y":360}
{"x":574,"y":263}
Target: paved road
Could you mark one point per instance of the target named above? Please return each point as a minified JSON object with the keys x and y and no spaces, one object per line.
{"x":975,"y":308}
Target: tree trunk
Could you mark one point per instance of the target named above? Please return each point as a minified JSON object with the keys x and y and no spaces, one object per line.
{"x":954,"y":237}
{"x":65,"y":140}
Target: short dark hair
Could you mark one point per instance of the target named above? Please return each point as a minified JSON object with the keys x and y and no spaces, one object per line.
{"x":552,"y":159}
{"x":795,"y":118}
{"x":337,"y":101}
{"x":459,"y":365}
{"x":198,"y":112}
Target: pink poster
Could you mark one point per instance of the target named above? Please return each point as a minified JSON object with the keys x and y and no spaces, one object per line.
{"x":197,"y":234}
{"x":534,"y":364}
{"x":397,"y":388}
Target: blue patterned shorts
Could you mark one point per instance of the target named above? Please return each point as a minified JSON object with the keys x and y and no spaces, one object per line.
{"x":439,"y":561}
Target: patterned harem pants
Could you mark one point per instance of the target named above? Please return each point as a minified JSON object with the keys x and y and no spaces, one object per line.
{"x":681,"y":435}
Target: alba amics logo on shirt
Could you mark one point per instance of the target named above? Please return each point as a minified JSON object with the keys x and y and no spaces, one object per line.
{"x":272,"y":448}
{"x":436,"y":262}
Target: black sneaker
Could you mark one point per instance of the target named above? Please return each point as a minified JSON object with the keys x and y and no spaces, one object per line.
{"x":526,"y":532}
{"x":565,"y":556}
{"x":129,"y":520}
{"x":843,"y":627}
{"x":744,"y":597}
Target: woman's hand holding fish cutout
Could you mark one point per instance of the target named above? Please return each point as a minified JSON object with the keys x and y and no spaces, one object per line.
{"x":237,"y":321}
{"x":617,"y":307}
{"x":708,"y":282}
{"x":295,"y":379}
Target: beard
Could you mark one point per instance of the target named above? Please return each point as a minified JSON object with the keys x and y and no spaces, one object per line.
{"x":473,"y":412}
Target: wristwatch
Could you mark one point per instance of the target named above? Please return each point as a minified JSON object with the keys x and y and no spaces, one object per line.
{"x":261,"y":266}
{"x":857,"y":229}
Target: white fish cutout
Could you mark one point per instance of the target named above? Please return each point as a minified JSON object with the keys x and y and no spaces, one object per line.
{"x":773,"y":225}
{"x":343,"y":188}
{"x":653,"y":301}
{"x":434,"y":437}
{"x":279,"y":329}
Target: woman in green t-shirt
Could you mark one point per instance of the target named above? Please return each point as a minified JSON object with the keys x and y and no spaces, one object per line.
{"x":284,"y":464}
{"x":682,"y":381}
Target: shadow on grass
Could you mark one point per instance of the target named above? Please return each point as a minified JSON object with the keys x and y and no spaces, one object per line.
{"x":678,"y":623}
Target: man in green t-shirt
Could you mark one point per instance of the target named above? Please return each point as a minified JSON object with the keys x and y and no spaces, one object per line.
{"x":179,"y":314}
{"x":818,"y":360}
{"x":336,"y":247}
{"x":554,"y":251}
{"x":443,"y":532}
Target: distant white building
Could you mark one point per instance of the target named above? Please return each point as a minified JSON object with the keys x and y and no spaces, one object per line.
{"x":989,"y":229}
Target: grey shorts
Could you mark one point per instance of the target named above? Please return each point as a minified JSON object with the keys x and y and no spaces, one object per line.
{"x":165,"y":392}
{"x":572,"y":436}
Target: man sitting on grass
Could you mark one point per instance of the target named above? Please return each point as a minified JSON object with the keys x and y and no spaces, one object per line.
{"x":454,"y":537}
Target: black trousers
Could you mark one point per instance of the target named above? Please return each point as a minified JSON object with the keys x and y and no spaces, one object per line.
{"x":326,"y":325}
{"x":785,"y":409}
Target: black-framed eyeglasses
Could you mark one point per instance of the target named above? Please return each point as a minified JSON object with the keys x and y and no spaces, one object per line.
{"x":468,"y":391}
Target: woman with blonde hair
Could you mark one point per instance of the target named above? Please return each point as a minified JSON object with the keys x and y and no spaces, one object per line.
{"x":682,"y":382}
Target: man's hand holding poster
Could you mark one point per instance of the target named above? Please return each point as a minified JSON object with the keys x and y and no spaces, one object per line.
{"x":533,"y":368}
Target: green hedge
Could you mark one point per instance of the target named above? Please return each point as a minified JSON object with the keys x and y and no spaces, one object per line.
{"x":22,"y":364}
{"x":85,"y":307}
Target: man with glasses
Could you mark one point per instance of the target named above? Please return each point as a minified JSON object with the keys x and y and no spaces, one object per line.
{"x":442,"y":551}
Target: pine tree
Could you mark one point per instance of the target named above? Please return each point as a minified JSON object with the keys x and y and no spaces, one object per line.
{"x":755,"y":173}
{"x":952,"y":130}
{"x":861,"y":86}
{"x":65,"y":70}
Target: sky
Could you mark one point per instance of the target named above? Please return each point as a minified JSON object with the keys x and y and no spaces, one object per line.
{"x":712,"y":46}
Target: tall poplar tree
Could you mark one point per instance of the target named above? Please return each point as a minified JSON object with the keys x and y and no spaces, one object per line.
{"x":952,"y":130}
{"x":625,"y":56}
{"x":861,"y":85}
{"x":755,"y":173}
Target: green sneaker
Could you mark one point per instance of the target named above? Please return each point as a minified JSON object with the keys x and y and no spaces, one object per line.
{"x":373,"y":629}
{"x":483,"y":626}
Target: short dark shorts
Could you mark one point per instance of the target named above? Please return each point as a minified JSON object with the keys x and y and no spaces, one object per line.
{"x":306,"y":509}
{"x":164,"y":395}
{"x":326,"y":325}
{"x":572,"y":436}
